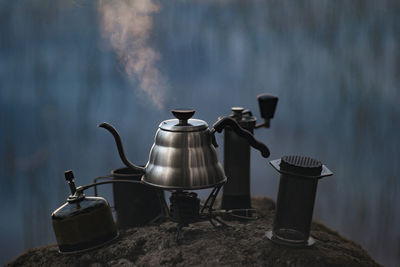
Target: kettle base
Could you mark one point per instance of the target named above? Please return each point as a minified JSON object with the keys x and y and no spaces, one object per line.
{"x":68,"y":249}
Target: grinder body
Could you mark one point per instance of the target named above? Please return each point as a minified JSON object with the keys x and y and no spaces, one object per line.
{"x":236,"y":192}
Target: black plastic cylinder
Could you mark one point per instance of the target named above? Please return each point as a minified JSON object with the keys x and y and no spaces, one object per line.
{"x":135,"y":204}
{"x":296,"y":196}
{"x":294,"y":208}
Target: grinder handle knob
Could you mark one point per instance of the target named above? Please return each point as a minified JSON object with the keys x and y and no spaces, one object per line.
{"x":267,"y":104}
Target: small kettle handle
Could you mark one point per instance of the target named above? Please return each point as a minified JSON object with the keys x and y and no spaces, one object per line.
{"x":121,"y":151}
{"x":227,"y":121}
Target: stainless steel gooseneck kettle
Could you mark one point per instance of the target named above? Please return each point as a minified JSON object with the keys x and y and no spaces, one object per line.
{"x":183,"y":156}
{"x":236,"y":191}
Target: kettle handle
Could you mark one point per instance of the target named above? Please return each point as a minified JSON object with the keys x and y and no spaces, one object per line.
{"x":121,"y":151}
{"x":227,"y":121}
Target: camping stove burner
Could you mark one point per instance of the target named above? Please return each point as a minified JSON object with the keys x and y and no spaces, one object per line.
{"x":184,"y":208}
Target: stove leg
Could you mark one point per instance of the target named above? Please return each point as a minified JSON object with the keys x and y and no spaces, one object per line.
{"x":164,"y":214}
{"x":178,"y":233}
{"x":211,"y":198}
{"x":220,"y":222}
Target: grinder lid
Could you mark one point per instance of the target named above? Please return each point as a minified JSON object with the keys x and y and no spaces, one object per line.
{"x":183,"y":122}
{"x":244,"y":117}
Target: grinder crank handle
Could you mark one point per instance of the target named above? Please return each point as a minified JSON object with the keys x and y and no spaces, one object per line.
{"x":227,"y":121}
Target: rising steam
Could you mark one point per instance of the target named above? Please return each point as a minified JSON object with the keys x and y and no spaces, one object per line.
{"x":127,"y":23}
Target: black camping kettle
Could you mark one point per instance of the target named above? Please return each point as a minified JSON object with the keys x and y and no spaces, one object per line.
{"x":83,"y":222}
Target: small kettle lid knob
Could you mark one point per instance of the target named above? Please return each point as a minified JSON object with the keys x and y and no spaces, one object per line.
{"x":69,"y":176}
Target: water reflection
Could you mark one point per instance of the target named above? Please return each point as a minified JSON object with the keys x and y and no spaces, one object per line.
{"x":334,"y":64}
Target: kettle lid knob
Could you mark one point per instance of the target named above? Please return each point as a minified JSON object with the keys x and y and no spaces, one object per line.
{"x":183,"y":115}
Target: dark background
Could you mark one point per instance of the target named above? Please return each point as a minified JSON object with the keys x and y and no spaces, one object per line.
{"x":334,"y":64}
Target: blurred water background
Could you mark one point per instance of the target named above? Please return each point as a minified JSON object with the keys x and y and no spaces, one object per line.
{"x":334,"y":64}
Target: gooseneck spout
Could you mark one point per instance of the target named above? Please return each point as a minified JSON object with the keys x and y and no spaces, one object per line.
{"x":121,"y":151}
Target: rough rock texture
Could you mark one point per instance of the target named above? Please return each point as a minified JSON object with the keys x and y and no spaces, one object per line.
{"x":241,"y":244}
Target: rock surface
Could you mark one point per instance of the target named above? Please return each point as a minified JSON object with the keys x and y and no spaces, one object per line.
{"x":240,"y":244}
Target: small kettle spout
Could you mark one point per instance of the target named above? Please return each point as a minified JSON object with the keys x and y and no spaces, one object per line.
{"x":121,"y":151}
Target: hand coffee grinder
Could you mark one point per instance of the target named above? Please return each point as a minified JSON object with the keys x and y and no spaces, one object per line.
{"x":236,"y":191}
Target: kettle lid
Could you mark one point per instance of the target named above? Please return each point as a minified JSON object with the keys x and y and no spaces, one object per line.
{"x":183,"y":122}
